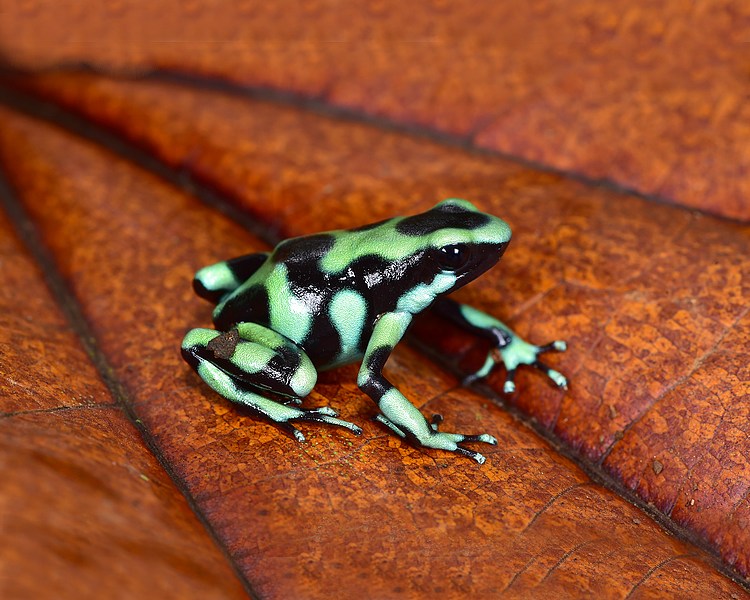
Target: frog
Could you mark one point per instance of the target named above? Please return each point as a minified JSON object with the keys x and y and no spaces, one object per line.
{"x":325,"y":300}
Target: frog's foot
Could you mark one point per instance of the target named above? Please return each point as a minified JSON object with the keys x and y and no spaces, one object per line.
{"x":283,"y":415}
{"x":516,"y":353}
{"x":317,"y":415}
{"x":244,"y":363}
{"x":432,"y":438}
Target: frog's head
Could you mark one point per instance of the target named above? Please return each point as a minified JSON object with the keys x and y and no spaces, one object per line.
{"x":458,"y":244}
{"x":462,"y":240}
{"x":416,"y":259}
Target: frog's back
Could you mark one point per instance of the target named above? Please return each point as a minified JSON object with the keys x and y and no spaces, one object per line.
{"x":325,"y":291}
{"x":327,"y":315}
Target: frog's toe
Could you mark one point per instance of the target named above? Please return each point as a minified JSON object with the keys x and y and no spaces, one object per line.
{"x":480,"y":458}
{"x":557,"y":378}
{"x":471,"y":454}
{"x":341,"y":423}
{"x":556,"y":346}
{"x":324,"y":410}
{"x":509,"y":386}
{"x":437,"y":419}
{"x":327,"y":415}
{"x":450,"y":441}
{"x":485,"y":438}
{"x":291,"y":430}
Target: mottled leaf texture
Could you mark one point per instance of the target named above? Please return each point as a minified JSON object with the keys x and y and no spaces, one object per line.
{"x":651,"y":97}
{"x":85,"y":508}
{"x":204,"y":132}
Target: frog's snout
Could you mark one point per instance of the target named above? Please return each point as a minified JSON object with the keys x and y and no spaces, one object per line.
{"x":498,"y":254}
{"x":488,"y":258}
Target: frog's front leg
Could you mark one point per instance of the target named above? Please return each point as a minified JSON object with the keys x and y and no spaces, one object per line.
{"x":509,"y":348}
{"x":242,"y":363}
{"x":400,"y":415}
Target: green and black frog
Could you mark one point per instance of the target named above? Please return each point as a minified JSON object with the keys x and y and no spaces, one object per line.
{"x":321,"y":301}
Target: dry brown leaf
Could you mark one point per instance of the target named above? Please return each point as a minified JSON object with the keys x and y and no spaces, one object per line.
{"x":654,"y":301}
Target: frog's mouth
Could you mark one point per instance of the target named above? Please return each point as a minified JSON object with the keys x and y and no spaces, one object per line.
{"x":483,"y":259}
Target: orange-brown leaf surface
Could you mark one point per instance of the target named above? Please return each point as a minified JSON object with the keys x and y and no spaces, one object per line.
{"x":653,"y":98}
{"x":633,"y":483}
{"x":85,"y":508}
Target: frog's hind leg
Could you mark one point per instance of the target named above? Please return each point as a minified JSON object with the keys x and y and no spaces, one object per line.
{"x":216,"y":281}
{"x":243,"y":363}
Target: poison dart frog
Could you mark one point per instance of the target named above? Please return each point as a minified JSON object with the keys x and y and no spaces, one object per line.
{"x":320,"y":301}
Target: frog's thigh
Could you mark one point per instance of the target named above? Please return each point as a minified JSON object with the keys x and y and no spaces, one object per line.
{"x":233,"y":390}
{"x":241,"y":363}
{"x":250,"y":358}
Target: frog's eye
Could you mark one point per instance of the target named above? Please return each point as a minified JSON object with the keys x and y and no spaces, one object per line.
{"x":453,"y":256}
